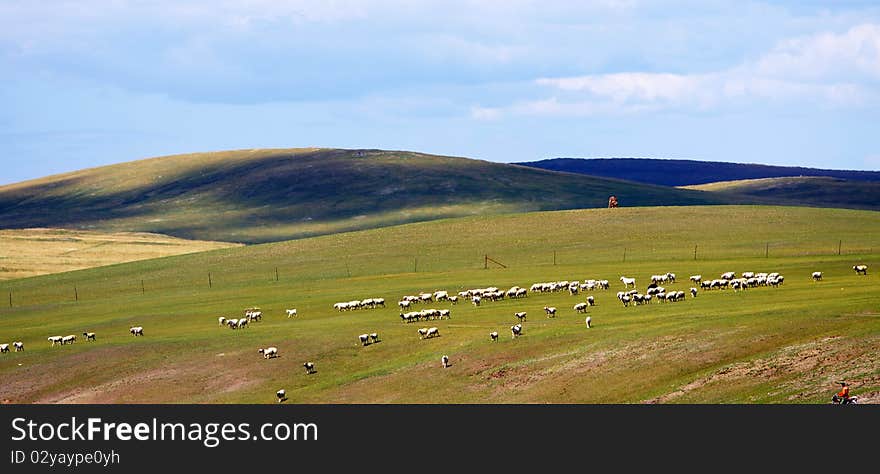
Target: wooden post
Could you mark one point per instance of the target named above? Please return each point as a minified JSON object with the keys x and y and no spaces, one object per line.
{"x":695,"y":252}
{"x":554,"y":257}
{"x":143,"y":290}
{"x":839,"y":244}
{"x":416,"y":265}
{"x":276,"y":273}
{"x":624,"y":254}
{"x":75,"y":294}
{"x":210,"y":284}
{"x":485,"y":262}
{"x":767,"y":250}
{"x":10,"y":298}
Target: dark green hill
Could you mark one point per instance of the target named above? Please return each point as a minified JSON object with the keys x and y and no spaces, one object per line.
{"x":279,"y":194}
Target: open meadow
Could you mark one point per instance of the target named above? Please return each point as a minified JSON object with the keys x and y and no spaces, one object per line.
{"x":786,"y":344}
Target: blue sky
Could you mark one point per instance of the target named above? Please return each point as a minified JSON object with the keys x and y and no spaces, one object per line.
{"x":93,"y":82}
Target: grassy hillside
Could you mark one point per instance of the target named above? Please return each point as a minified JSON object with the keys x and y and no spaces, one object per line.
{"x":801,"y":190}
{"x":31,"y":252}
{"x":763,"y":345}
{"x":270,"y":195}
{"x":688,"y":172}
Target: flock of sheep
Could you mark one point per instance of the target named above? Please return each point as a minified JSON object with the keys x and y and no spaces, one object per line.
{"x":630,"y":297}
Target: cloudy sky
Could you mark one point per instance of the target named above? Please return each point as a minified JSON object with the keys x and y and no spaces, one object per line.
{"x":92,"y":82}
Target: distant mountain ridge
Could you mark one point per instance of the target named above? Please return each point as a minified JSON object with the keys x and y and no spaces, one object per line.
{"x":687,"y":172}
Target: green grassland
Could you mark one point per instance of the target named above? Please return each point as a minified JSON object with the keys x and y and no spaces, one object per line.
{"x":762,"y":345}
{"x":818,"y":191}
{"x":280,"y":194}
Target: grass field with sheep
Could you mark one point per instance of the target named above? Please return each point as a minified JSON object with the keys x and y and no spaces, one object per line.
{"x":762,"y":345}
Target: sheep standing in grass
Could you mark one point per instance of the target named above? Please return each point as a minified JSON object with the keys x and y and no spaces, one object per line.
{"x":580,"y":307}
{"x":374,"y":337}
{"x":282,"y":395}
{"x":445,"y":361}
{"x":423,"y":332}
{"x":493,"y":335}
{"x":515,"y":330}
{"x":90,"y":336}
{"x":4,"y":348}
{"x":696,"y":278}
{"x":242,"y":323}
{"x":861,"y":269}
{"x":54,"y":339}
{"x":588,"y":321}
{"x":551,"y":311}
{"x":628,"y":281}
{"x":136,"y":330}
{"x":432,"y":332}
{"x":591,"y":301}
{"x":693,"y":292}
{"x":521,"y":316}
{"x":817,"y":276}
{"x":364,"y":339}
{"x":310,"y":367}
{"x":18,"y":345}
{"x":68,"y":339}
{"x":221,"y":320}
{"x":232,"y":323}
{"x":269,"y":352}
{"x":476,"y":300}
{"x":291,"y":312}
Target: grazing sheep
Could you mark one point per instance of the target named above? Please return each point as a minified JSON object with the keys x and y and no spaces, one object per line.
{"x":18,"y":345}
{"x":445,"y":361}
{"x":54,"y":339}
{"x":374,"y":337}
{"x":243,"y":323}
{"x":580,"y":307}
{"x":291,"y":312}
{"x":364,"y":338}
{"x":282,"y":395}
{"x":588,"y":321}
{"x":423,"y":332}
{"x":693,"y":292}
{"x":817,"y":276}
{"x":521,"y":316}
{"x":269,"y":352}
{"x":453,"y":299}
{"x":310,"y":367}
{"x":728,"y":275}
{"x":404,"y":304}
{"x":136,"y":330}
{"x":4,"y":348}
{"x":696,"y":278}
{"x":221,"y":320}
{"x":90,"y":336}
{"x":515,"y":330}
{"x":493,"y":335}
{"x":551,"y":311}
{"x":861,"y":269}
{"x":432,"y":332}
{"x":591,"y":301}
{"x":68,"y":339}
{"x":476,"y":300}
{"x":444,"y":314}
{"x":232,"y":323}
{"x":628,"y":281}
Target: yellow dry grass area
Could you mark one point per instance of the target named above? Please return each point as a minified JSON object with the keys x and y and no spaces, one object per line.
{"x":31,"y":252}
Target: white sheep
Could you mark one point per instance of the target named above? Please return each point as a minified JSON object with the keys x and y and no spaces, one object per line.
{"x":493,"y":335}
{"x":591,"y":301}
{"x":693,"y":292}
{"x":696,"y":278}
{"x":242,"y":323}
{"x":68,"y":339}
{"x":282,"y":395}
{"x":269,"y":352}
{"x":310,"y":367}
{"x":232,"y":323}
{"x":221,"y":320}
{"x":423,"y":332}
{"x":521,"y":316}
{"x":54,"y":339}
{"x":4,"y":348}
{"x":445,"y":361}
{"x":290,"y":312}
{"x":374,"y":337}
{"x":817,"y":276}
{"x":364,"y":338}
{"x":136,"y":330}
{"x":580,"y":307}
{"x":90,"y":336}
{"x":861,"y":269}
{"x":453,"y":299}
{"x":19,"y":346}
{"x":551,"y":311}
{"x":628,"y":281}
{"x":432,"y":332}
{"x":515,"y":330}
{"x":588,"y":321}
{"x":476,"y":300}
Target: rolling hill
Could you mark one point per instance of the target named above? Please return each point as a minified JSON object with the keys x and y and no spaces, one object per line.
{"x":762,"y":345}
{"x":817,"y":191}
{"x":278,"y":194}
{"x":687,"y":172}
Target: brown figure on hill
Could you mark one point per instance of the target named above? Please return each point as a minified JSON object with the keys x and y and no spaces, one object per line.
{"x":612,"y":202}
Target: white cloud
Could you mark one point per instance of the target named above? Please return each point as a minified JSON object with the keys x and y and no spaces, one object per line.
{"x":828,"y":70}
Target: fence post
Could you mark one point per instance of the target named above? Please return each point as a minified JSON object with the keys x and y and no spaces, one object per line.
{"x":210,"y":283}
{"x":695,"y":252}
{"x":415,"y":265}
{"x":75,"y":294}
{"x":767,"y":250}
{"x":554,"y":257}
{"x":10,"y":298}
{"x":143,"y":290}
{"x":624,"y":254}
{"x":276,"y":273}
{"x":485,"y":262}
{"x":839,"y":244}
